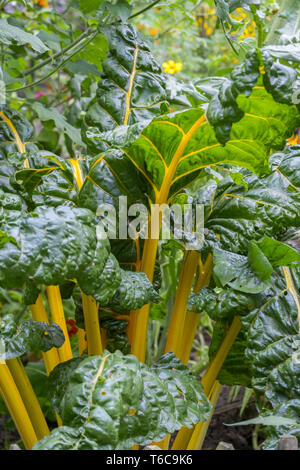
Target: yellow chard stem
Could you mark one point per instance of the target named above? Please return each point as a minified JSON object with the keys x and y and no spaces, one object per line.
{"x":198,"y":436}
{"x":192,"y":319}
{"x":29,"y":397}
{"x":189,"y":266}
{"x":51,"y":358}
{"x":291,"y":288}
{"x":90,"y":306}
{"x":16,"y":407}
{"x":58,"y":316}
{"x":139,"y":318}
{"x":91,"y":321}
{"x":184,"y":435}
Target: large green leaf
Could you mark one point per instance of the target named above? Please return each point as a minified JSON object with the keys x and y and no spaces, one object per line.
{"x":279,"y":79}
{"x":273,"y":343}
{"x":132,"y":88}
{"x":267,"y":206}
{"x":125,"y":402}
{"x":220,"y":303}
{"x":52,"y":245}
{"x":172,"y":150}
{"x":15,"y":132}
{"x":19,"y":338}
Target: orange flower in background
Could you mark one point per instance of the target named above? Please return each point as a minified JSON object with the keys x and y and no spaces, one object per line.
{"x":153,"y":31}
{"x":140,"y":27}
{"x":43,"y":3}
{"x":295,"y":139}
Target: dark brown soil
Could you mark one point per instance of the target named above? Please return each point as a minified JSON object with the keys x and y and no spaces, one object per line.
{"x":229,"y":412}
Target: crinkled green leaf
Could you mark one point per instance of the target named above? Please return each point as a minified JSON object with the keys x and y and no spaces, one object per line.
{"x":233,"y":100}
{"x":132,"y":87}
{"x":274,"y":343}
{"x":220,"y":303}
{"x":166,"y":397}
{"x":269,"y":205}
{"x":223,"y":109}
{"x":234,"y":270}
{"x":19,"y":338}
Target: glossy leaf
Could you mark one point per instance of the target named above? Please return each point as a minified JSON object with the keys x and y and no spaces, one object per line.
{"x":165,"y":398}
{"x":19,"y":338}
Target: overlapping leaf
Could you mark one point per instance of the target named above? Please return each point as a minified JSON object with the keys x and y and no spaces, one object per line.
{"x":279,"y":79}
{"x":17,"y":339}
{"x":165,"y":397}
{"x":52,"y":245}
{"x":132,"y":88}
{"x":267,"y":206}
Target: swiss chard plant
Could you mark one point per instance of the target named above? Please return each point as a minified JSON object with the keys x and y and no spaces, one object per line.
{"x":218,"y":143}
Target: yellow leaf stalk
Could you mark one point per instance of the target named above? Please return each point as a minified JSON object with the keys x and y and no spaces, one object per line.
{"x":58,"y":316}
{"x":198,"y":436}
{"x":29,"y":397}
{"x":139,"y":318}
{"x":184,"y":435}
{"x":91,"y":321}
{"x":82,"y":344}
{"x":189,"y":267}
{"x":51,"y":358}
{"x":89,"y":305}
{"x":192,"y":319}
{"x":16,"y":407}
{"x":139,"y":327}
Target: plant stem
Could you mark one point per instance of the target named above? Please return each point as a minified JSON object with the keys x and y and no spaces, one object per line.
{"x":83,"y":36}
{"x":176,"y":327}
{"x":144,"y":9}
{"x":192,"y":319}
{"x":139,"y":318}
{"x":198,"y":436}
{"x":291,"y":288}
{"x":16,"y":407}
{"x":29,"y":397}
{"x":91,"y":321}
{"x":53,"y":71}
{"x":90,"y":307}
{"x":184,"y":435}
{"x":58,"y":316}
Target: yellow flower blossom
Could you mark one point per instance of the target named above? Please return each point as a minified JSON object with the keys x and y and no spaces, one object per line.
{"x":172,"y":67}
